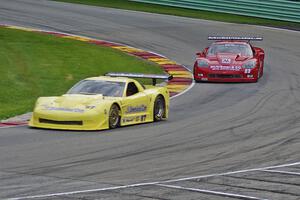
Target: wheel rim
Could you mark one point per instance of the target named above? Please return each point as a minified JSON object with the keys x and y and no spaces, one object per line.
{"x":114,"y":116}
{"x":159,"y":109}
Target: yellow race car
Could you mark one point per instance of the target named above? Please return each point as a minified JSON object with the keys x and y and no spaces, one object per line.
{"x":104,"y":102}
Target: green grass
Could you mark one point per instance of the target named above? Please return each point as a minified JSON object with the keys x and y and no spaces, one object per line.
{"x":128,"y":5}
{"x":37,"y":64}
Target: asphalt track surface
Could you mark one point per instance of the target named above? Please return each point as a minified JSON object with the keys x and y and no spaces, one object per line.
{"x":213,"y":128}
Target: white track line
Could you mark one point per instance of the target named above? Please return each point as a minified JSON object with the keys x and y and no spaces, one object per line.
{"x":183,"y":92}
{"x":82,"y":191}
{"x":233,"y":172}
{"x":281,"y":172}
{"x":211,"y":192}
{"x":151,"y":183}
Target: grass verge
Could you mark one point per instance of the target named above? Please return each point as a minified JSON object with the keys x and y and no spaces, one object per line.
{"x":37,"y":64}
{"x":129,"y":5}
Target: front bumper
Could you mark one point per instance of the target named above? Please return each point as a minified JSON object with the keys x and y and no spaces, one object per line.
{"x":224,"y":76}
{"x":68,"y":121}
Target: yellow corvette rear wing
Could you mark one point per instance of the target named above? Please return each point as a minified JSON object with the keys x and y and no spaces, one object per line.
{"x":154,"y":77}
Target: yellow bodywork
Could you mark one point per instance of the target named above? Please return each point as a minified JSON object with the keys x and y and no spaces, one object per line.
{"x":91,"y":112}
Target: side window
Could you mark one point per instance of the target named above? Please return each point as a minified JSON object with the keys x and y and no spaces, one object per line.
{"x":131,"y":89}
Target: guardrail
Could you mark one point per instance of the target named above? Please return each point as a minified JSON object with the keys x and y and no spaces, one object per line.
{"x":284,"y":10}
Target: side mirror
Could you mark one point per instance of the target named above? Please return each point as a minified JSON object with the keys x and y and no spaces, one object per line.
{"x":200,"y":54}
{"x":260,"y":54}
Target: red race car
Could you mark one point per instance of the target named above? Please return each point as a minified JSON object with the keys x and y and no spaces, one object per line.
{"x":230,"y":59}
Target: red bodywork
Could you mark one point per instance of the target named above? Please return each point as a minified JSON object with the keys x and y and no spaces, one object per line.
{"x":229,"y":67}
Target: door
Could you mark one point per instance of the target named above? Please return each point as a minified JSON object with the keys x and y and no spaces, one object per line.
{"x":135,"y":106}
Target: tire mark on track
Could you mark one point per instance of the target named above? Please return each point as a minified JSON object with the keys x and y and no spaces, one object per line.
{"x":263,"y":180}
{"x":251,"y":188}
{"x":257,"y":107}
{"x":212,"y":192}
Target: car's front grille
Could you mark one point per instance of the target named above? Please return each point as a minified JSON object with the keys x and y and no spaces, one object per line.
{"x":224,"y":75}
{"x":48,"y":121}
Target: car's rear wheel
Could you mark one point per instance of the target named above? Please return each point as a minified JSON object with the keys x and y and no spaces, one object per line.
{"x":114,"y":116}
{"x":261,"y":68}
{"x":258,"y":74}
{"x":159,"y":109}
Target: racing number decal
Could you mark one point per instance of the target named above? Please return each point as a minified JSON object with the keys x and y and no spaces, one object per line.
{"x":143,"y":118}
{"x":247,"y":71}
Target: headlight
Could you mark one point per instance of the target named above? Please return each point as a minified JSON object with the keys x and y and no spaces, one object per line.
{"x":250,"y":65}
{"x":37,"y":102}
{"x":202,"y":63}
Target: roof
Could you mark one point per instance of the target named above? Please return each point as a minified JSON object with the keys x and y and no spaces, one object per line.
{"x":108,"y":78}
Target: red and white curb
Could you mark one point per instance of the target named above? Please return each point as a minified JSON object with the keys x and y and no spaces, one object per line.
{"x":182,"y":77}
{"x":13,"y":124}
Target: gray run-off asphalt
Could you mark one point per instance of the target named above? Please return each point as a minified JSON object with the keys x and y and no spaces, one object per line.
{"x":213,"y":128}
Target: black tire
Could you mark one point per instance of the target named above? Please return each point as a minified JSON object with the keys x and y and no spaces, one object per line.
{"x":114,"y":116}
{"x":159,"y":108}
{"x":261,"y":69}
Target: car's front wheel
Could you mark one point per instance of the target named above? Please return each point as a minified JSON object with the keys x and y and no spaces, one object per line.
{"x":159,"y":109}
{"x":114,"y":116}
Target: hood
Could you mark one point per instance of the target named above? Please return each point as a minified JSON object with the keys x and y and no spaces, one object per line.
{"x":228,"y":58}
{"x":77,"y":100}
{"x":71,"y":102}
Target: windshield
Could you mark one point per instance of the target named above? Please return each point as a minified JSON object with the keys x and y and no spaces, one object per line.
{"x":106,"y":88}
{"x":241,"y":49}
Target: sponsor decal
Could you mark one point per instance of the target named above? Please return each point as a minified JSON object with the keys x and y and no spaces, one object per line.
{"x":229,"y":68}
{"x":141,"y":118}
{"x":137,"y":118}
{"x":128,"y":119}
{"x":230,"y":45}
{"x":76,"y":110}
{"x":90,"y":107}
{"x":132,"y":109}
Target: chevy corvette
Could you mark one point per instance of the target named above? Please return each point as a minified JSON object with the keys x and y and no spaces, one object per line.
{"x":230,"y":59}
{"x":104,"y":102}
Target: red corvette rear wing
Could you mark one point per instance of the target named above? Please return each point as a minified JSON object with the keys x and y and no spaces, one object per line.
{"x":139,"y":75}
{"x":234,"y":38}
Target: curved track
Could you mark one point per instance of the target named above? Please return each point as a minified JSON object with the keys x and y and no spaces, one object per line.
{"x":213,"y":128}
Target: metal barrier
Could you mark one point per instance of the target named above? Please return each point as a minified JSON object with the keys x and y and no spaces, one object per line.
{"x":284,"y":10}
